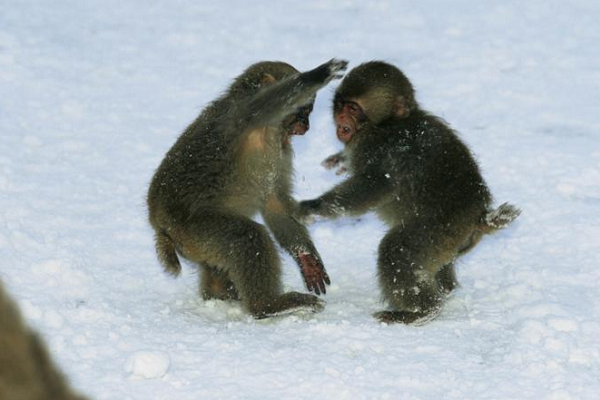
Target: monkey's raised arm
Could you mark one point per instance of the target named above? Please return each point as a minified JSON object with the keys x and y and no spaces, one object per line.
{"x":274,"y":102}
{"x":294,"y":238}
{"x":355,"y":196}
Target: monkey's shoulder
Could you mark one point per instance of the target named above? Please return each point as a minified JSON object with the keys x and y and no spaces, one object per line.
{"x":426,"y":134}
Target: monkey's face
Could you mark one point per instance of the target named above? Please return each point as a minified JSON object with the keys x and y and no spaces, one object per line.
{"x":349,"y":116}
{"x":298,"y":123}
{"x":371,"y":93}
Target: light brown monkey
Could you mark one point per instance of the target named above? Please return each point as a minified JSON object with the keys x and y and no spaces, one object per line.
{"x":410,"y":168}
{"x":26,"y":370}
{"x":233,"y":161}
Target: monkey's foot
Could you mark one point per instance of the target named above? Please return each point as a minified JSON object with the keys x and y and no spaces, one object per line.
{"x":291,"y":303}
{"x":303,"y":312}
{"x":406,"y":317}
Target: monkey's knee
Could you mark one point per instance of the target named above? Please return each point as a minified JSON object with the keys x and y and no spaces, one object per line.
{"x":253,"y":267}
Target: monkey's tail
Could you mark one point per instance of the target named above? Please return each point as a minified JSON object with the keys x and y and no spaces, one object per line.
{"x":499,"y":218}
{"x":167,"y":254}
{"x":491,"y":221}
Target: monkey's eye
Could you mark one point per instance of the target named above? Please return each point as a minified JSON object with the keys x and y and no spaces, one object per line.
{"x":353,"y":108}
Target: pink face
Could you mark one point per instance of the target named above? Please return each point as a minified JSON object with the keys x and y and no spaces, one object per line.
{"x":348,"y":116}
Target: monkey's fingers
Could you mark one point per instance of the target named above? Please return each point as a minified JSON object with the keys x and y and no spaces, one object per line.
{"x":331,"y":161}
{"x":313,"y":272}
{"x":315,"y":283}
{"x":324,"y":281}
{"x":324,"y":73}
{"x":341,"y":171}
{"x":306,"y":211}
{"x":337,"y":68}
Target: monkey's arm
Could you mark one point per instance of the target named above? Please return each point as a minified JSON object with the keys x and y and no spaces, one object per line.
{"x":355,"y":196}
{"x":274,"y":102}
{"x":294,"y":238}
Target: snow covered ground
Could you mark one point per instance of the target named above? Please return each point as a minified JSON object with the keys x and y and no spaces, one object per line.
{"x":92,"y":95}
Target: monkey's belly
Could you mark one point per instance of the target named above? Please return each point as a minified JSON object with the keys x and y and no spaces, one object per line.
{"x":243,"y":203}
{"x":248,"y":196}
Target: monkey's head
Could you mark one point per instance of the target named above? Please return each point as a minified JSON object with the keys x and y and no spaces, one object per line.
{"x":266,"y":73}
{"x":371,"y":93}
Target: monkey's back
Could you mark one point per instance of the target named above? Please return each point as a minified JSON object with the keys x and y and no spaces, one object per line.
{"x":208,"y":168}
{"x":193,"y":172}
{"x":434,"y":174}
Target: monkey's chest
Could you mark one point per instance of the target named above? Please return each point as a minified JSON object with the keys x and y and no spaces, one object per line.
{"x":263,"y":172}
{"x":261,"y":166}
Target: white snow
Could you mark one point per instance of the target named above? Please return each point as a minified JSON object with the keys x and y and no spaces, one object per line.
{"x":147,"y":364}
{"x":92,"y":95}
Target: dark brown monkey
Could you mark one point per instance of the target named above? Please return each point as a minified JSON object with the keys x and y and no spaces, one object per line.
{"x":26,"y":370}
{"x":410,"y":168}
{"x":234,"y":161}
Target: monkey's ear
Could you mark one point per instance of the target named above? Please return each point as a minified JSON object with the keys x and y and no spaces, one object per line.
{"x":402,"y":107}
{"x":266,"y":80}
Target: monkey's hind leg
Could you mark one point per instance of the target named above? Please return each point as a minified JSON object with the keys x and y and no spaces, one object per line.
{"x":244,"y":255}
{"x":215,"y":284}
{"x":415,"y":270}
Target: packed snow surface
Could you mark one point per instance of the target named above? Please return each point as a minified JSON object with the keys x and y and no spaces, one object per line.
{"x":92,"y":95}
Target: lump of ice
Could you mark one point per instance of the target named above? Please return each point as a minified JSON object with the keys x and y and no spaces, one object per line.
{"x":148,"y":364}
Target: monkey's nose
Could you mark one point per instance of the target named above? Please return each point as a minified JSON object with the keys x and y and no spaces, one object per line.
{"x":344,"y":129}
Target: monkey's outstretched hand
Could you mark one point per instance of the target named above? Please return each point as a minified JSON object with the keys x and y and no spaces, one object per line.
{"x":309,"y":209}
{"x":336,"y":160}
{"x":324,"y":73}
{"x":313,"y":272}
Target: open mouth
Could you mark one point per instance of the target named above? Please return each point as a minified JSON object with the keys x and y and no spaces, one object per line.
{"x":299,"y":128}
{"x":344,"y":132}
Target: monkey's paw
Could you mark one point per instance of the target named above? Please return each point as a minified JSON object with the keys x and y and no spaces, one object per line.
{"x":324,"y":73}
{"x":337,"y":68}
{"x":341,"y":171}
{"x":335,"y":161}
{"x":294,"y":303}
{"x":306,"y":211}
{"x":406,"y":317}
{"x":313,"y":272}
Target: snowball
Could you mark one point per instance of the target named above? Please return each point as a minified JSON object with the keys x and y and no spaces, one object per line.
{"x":148,"y":364}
